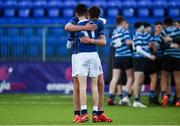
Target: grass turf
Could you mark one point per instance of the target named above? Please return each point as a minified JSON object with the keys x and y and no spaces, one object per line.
{"x":54,"y":109}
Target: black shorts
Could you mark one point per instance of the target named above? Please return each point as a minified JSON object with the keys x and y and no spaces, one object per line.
{"x":170,"y":64}
{"x":159,"y":61}
{"x":123,"y":63}
{"x":144,"y":65}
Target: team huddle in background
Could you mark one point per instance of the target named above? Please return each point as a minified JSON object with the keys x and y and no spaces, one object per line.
{"x":156,"y":54}
{"x":137,"y":55}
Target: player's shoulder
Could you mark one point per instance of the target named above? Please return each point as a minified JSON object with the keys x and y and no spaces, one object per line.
{"x":83,"y":22}
{"x":74,"y":20}
{"x":98,"y":22}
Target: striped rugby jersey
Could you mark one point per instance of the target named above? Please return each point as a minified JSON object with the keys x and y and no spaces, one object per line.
{"x":119,"y":36}
{"x":142,"y":39}
{"x":172,"y":32}
{"x":159,"y":41}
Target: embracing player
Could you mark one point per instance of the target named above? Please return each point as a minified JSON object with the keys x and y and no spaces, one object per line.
{"x":73,"y":28}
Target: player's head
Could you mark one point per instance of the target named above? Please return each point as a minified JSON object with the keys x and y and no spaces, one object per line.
{"x":177,"y":23}
{"x":147,"y":27}
{"x":120,"y":21}
{"x":81,"y":10}
{"x":94,"y":12}
{"x":168,"y":21}
{"x":158,"y":26}
{"x":126,"y":25}
{"x":138,"y":26}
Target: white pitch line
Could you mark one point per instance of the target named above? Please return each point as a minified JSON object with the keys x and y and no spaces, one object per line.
{"x":45,"y":97}
{"x":34,"y":103}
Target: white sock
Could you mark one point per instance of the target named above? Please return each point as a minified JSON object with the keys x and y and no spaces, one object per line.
{"x":95,"y":108}
{"x":83,"y":107}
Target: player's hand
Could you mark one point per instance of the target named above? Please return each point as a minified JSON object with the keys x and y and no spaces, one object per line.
{"x":153,"y":46}
{"x":175,"y":45}
{"x":129,"y":42}
{"x":90,"y":27}
{"x":167,"y":39}
{"x":153,"y":57}
{"x":85,"y":40}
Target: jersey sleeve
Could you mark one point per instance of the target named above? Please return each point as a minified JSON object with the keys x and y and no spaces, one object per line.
{"x":74,"y":21}
{"x":101,"y":29}
{"x":71,"y":36}
{"x":152,"y":39}
{"x":163,"y":33}
{"x":126,"y":35}
{"x":138,"y":40}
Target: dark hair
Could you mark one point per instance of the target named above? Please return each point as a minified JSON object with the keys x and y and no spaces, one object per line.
{"x":177,"y":21}
{"x":168,"y":21}
{"x":138,"y":25}
{"x":146,"y":24}
{"x":119,"y":19}
{"x":94,"y":12}
{"x":158,"y":23}
{"x":81,"y":9}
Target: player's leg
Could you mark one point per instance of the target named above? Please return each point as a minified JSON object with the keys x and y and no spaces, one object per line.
{"x":119,"y":91}
{"x":138,"y":81}
{"x":168,"y":90}
{"x":101,"y":91}
{"x":95,"y":98}
{"x":76,"y":101}
{"x":101,"y":114}
{"x":176,"y":75}
{"x":112,"y":87}
{"x":153,"y":84}
{"x":166,"y":67}
{"x":129,"y":82}
{"x":164,"y":79}
{"x":83,"y":97}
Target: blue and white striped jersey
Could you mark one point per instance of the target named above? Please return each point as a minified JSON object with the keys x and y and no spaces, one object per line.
{"x":172,"y":32}
{"x":142,"y":39}
{"x":119,"y":36}
{"x":159,"y":41}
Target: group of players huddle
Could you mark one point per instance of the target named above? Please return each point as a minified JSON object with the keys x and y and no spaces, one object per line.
{"x":145,"y":53}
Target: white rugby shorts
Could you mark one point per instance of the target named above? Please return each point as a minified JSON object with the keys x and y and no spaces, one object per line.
{"x":88,"y":64}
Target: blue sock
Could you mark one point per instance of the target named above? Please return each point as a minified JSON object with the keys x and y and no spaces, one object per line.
{"x":84,"y":111}
{"x":77,"y":113}
{"x":152,"y":94}
{"x":100,"y":112}
{"x":163,"y":93}
{"x":95,"y":112}
{"x":112,"y":96}
{"x":137,"y":99}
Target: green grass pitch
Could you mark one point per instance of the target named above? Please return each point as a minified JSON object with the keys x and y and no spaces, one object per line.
{"x":55,"y":109}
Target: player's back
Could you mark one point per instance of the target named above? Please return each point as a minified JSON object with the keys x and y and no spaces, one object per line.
{"x":91,"y":34}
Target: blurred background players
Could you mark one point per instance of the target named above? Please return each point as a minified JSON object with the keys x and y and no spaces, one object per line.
{"x":121,"y":41}
{"x":171,"y":56}
{"x":141,"y":62}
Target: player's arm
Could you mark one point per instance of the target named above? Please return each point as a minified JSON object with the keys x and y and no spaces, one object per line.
{"x":144,"y":53}
{"x":100,"y":42}
{"x":127,"y":38}
{"x":75,"y":28}
{"x":141,"y":51}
